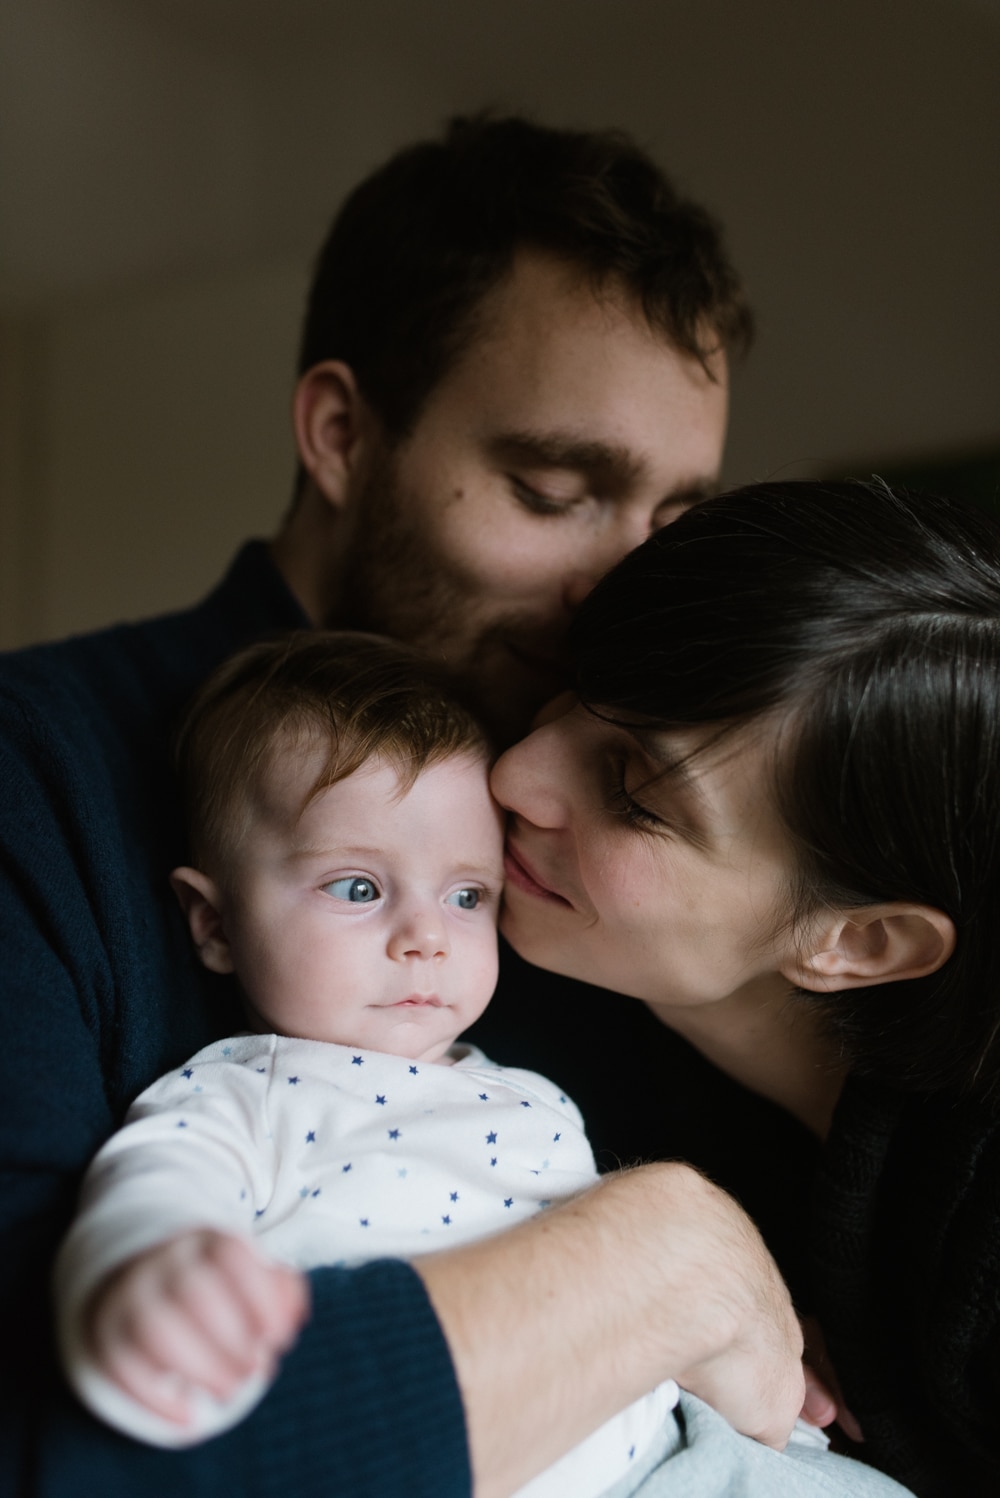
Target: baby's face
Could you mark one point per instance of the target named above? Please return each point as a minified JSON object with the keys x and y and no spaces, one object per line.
{"x":370,"y":920}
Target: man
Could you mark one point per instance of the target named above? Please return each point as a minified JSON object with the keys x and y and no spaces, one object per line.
{"x":514,"y":366}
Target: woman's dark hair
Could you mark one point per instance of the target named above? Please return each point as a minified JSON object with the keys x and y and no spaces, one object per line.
{"x":419,"y":243}
{"x":867,"y":620}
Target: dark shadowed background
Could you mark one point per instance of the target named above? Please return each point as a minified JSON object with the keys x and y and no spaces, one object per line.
{"x":167,"y":168}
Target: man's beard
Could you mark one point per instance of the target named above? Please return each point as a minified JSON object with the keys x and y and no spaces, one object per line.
{"x":394,"y":582}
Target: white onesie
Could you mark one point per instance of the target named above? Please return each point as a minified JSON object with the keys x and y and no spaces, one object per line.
{"x":328,"y":1155}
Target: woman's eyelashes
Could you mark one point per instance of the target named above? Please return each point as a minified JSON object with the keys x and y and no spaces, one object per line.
{"x":632,"y":805}
{"x":622,"y":804}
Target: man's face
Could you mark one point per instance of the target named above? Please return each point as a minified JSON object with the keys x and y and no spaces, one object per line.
{"x":562,"y":436}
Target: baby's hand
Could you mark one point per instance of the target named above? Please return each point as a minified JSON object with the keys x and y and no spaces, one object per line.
{"x":201,"y":1311}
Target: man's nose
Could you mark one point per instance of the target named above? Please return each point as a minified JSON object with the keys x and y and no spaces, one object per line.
{"x":578,"y":586}
{"x":629,"y":530}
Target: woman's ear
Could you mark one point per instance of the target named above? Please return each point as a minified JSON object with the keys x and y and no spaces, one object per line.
{"x":329,"y":415}
{"x":199,"y":900}
{"x":875,"y":944}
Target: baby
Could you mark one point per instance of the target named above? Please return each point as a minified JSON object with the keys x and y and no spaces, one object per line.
{"x":347,"y":867}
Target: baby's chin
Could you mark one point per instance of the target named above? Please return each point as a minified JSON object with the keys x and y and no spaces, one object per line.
{"x":413,"y":1037}
{"x":412,"y":1032}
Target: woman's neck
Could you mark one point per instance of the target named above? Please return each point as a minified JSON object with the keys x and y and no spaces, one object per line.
{"x":773,"y":1042}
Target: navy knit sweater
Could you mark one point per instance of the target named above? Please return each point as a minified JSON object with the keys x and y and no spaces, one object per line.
{"x":99,"y":995}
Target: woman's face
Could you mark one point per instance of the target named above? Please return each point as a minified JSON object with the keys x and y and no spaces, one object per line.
{"x":636,"y":866}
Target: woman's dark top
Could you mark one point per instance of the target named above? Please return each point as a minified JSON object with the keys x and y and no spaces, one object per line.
{"x":906,"y":1281}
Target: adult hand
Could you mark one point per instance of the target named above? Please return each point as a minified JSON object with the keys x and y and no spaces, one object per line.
{"x":740,"y":1310}
{"x":561,"y":1322}
{"x":203,"y":1310}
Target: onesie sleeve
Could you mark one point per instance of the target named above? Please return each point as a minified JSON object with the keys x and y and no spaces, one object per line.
{"x":196,"y":1152}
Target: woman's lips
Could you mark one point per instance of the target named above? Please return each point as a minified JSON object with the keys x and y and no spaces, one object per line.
{"x":520,"y":873}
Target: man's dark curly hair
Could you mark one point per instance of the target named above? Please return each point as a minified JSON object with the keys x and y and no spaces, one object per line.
{"x":419,"y":243}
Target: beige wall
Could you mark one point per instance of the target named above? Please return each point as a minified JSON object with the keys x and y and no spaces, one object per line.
{"x":157,"y":437}
{"x":167,"y":167}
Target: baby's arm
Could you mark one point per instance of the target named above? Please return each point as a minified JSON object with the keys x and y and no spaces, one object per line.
{"x":160,"y":1294}
{"x":202,"y":1311}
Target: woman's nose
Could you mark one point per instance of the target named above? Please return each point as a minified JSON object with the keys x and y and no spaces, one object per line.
{"x":526,"y":779}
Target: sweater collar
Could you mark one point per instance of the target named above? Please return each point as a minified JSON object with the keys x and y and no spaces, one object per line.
{"x":254,"y":595}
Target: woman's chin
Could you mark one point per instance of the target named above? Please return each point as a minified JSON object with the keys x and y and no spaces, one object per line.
{"x":527,"y":941}
{"x":538,"y":946}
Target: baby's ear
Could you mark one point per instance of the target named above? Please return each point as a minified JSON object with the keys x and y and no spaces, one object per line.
{"x":875,"y":944}
{"x":199,"y":899}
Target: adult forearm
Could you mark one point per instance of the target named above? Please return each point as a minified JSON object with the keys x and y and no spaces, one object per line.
{"x":557,"y":1325}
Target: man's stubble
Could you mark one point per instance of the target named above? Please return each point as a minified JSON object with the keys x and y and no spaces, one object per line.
{"x":398,"y":581}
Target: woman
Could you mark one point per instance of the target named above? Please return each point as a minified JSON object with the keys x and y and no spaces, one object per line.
{"x":774,"y":815}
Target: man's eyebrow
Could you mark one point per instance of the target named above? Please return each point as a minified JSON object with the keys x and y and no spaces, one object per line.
{"x":614,"y":466}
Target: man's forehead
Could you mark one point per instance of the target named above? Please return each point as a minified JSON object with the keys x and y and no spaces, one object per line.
{"x":542,"y":287}
{"x":571,"y":350}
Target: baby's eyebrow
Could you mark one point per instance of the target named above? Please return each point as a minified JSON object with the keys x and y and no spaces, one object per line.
{"x":349,"y":853}
{"x":340,"y":853}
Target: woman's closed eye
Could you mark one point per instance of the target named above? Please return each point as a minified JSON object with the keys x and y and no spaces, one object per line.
{"x":622,"y":804}
{"x":625,"y":804}
{"x":358,"y":889}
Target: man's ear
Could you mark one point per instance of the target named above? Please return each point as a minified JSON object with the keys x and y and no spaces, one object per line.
{"x":876,"y":944}
{"x":199,"y":900}
{"x":329,"y":415}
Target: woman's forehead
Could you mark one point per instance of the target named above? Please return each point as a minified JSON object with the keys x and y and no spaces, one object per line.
{"x":683,"y":752}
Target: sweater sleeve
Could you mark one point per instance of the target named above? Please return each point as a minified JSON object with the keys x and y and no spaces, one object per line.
{"x":367,"y":1401}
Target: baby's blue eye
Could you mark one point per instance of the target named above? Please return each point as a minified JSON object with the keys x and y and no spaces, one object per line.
{"x":358,"y":890}
{"x":465,"y":899}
